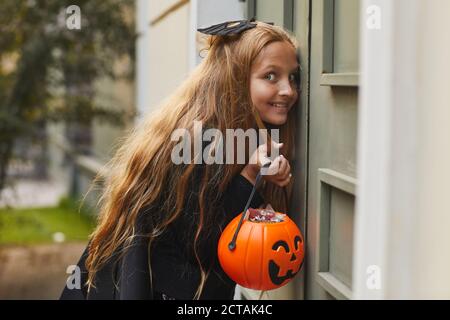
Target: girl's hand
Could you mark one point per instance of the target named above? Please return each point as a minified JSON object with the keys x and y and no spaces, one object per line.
{"x":279,"y":171}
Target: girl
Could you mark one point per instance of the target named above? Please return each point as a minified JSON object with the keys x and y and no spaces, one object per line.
{"x":160,"y":222}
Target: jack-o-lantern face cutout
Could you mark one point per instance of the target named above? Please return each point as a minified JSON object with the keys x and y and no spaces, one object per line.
{"x":267,"y":255}
{"x":295,"y":260}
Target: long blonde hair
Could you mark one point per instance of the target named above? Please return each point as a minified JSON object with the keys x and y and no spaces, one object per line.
{"x":139,"y":175}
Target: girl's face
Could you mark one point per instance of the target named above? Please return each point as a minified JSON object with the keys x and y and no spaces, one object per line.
{"x":273,"y":82}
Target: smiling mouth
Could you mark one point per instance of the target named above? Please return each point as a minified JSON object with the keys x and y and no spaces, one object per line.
{"x":280,"y":106}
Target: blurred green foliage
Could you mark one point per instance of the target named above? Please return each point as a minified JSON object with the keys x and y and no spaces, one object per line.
{"x":48,"y":71}
{"x":39,"y":225}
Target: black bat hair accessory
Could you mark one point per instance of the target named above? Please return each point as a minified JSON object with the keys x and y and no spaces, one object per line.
{"x":230,"y":27}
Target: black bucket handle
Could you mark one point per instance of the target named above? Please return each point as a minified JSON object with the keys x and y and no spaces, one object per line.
{"x":232,"y":244}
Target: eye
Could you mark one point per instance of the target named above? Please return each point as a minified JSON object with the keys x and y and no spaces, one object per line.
{"x":270,"y":76}
{"x":297,"y":241}
{"x":293,"y":77}
{"x":281,"y":243}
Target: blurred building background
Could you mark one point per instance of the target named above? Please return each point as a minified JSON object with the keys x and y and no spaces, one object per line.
{"x":67,"y":96}
{"x":371,"y":167}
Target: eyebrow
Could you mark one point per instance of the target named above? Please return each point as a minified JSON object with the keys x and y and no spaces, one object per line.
{"x":278,"y":67}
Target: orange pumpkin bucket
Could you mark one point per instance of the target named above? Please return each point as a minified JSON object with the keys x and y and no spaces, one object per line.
{"x":261,"y":255}
{"x":267,"y":255}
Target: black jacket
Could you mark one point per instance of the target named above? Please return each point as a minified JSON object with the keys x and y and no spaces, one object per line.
{"x":174,"y":273}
